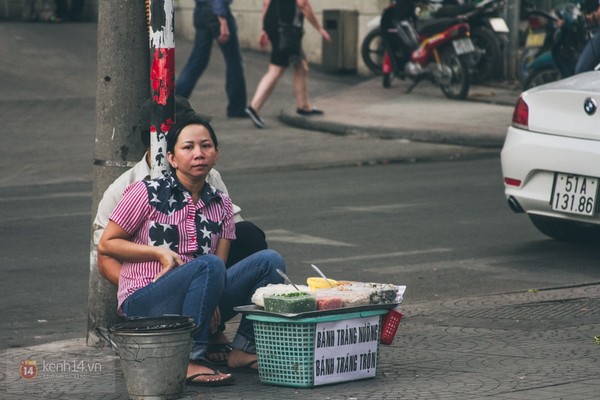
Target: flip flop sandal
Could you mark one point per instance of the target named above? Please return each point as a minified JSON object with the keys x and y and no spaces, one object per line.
{"x":191,"y":380}
{"x":217,"y":348}
{"x":246,"y":367}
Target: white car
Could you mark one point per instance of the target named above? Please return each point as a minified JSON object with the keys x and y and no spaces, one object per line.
{"x":551,"y":157}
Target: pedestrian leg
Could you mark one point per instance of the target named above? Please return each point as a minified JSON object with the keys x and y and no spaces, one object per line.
{"x":301,"y":85}
{"x":200,"y":55}
{"x":235,"y":83}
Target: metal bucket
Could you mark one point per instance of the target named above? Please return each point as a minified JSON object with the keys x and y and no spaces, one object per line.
{"x":154,"y":355}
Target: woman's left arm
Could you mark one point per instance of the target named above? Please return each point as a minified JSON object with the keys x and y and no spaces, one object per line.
{"x":306,"y":9}
{"x":222,"y":250}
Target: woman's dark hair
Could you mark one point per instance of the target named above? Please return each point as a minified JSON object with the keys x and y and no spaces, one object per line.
{"x":182,"y":108}
{"x":185,"y":120}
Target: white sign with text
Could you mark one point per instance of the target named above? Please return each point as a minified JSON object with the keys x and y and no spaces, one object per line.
{"x":346,"y":350}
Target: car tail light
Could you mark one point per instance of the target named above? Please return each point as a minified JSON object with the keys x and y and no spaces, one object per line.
{"x":520,"y":117}
{"x":512,"y":182}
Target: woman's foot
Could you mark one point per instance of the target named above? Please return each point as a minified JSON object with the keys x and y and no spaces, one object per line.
{"x":218,"y":348}
{"x":309,"y":111}
{"x":241,"y":359}
{"x":201,"y":374}
{"x":253,"y":114}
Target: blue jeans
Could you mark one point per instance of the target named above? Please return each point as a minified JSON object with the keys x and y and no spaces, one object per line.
{"x":206,"y":32}
{"x":196,"y":288}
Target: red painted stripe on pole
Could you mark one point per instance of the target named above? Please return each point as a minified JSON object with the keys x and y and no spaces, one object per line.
{"x":162,"y":80}
{"x":163,"y":75}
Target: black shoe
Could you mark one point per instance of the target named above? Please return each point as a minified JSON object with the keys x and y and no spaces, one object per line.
{"x":242,"y":115}
{"x":313,"y":111}
{"x":258,"y":121}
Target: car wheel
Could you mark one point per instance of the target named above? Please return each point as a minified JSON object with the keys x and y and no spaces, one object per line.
{"x":565,"y":231}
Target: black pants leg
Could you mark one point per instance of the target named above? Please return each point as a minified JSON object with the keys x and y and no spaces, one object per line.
{"x":249,"y":239}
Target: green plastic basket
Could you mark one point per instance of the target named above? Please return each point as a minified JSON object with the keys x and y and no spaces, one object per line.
{"x":285,"y":346}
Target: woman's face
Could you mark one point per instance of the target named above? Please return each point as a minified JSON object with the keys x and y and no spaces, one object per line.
{"x":194,"y":154}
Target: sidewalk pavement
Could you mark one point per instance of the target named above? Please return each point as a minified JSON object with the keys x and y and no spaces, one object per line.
{"x":424,"y":115}
{"x":533,"y":345}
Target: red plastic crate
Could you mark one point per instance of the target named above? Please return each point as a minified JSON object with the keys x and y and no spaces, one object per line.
{"x":391,"y":321}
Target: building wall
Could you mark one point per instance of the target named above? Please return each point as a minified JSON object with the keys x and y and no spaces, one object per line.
{"x":248,"y":15}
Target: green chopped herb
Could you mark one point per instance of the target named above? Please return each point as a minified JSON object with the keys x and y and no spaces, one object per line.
{"x":293,"y":294}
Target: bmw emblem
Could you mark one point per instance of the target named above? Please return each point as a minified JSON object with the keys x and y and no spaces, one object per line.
{"x":590,"y":106}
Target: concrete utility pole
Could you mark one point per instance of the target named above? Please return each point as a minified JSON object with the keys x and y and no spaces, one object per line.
{"x":123,"y":85}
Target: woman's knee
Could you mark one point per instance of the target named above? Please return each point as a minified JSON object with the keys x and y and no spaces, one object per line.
{"x":301,"y":67}
{"x":210,"y":261}
{"x":276,"y":71}
{"x":273,"y":260}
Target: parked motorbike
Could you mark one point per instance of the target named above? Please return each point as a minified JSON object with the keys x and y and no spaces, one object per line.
{"x":441,"y":52}
{"x":371,"y":49}
{"x":489,"y":33}
{"x":536,"y":37}
{"x":558,"y":57}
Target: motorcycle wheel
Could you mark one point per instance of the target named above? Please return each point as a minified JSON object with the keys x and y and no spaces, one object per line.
{"x":490,"y":61}
{"x":372,"y":51}
{"x":387,"y":81}
{"x":458,"y":88}
{"x":542,"y":76}
{"x":525,"y":60}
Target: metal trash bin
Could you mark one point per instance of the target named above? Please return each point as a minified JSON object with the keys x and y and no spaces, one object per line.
{"x":341,"y":53}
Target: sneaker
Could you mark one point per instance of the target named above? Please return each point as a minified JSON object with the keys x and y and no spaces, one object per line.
{"x":258,"y":121}
{"x":313,"y":111}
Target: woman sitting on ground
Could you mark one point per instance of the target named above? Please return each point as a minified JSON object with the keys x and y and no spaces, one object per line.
{"x":173,"y":234}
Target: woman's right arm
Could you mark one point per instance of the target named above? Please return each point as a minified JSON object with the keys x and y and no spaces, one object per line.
{"x":306,"y":9}
{"x":263,"y":40}
{"x":116,"y":243}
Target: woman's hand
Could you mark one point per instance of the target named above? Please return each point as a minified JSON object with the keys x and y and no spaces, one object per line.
{"x":307,"y":10}
{"x":168,"y":260}
{"x":224,"y":31}
{"x":325,"y":34}
{"x":263,"y":40}
{"x":215,"y":321}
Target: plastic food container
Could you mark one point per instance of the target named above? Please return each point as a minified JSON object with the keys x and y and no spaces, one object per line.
{"x":315,"y":283}
{"x":329,"y":302}
{"x":295,"y":302}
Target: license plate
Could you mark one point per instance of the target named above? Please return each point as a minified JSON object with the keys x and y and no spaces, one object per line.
{"x":574,"y":194}
{"x":535,"y":39}
{"x":499,"y":25}
{"x":463,"y":46}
